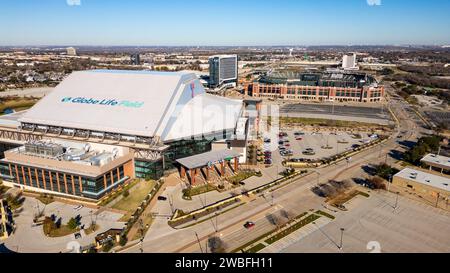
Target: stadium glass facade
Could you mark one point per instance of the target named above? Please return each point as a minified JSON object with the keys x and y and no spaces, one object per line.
{"x":180,"y":149}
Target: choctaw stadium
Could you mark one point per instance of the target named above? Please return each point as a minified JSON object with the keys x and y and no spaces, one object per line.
{"x":98,"y":129}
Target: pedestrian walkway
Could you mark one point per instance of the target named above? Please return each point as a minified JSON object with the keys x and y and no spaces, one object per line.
{"x":170,"y":181}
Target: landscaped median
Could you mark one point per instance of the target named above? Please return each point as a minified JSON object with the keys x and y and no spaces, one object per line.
{"x":181,"y":218}
{"x":340,"y":200}
{"x":277,"y":234}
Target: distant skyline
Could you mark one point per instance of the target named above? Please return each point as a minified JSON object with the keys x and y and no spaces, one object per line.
{"x":224,"y":23}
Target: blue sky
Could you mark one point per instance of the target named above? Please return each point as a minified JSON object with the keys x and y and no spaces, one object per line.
{"x":223,"y":22}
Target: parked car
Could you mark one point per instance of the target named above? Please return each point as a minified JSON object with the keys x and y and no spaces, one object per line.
{"x":249,"y":225}
{"x":309,"y":151}
{"x":162,"y":198}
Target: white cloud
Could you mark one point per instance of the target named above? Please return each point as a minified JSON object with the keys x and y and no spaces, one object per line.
{"x":73,"y":2}
{"x":374,"y":2}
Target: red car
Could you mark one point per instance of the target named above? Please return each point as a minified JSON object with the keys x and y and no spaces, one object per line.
{"x":249,"y":225}
{"x":287,"y":145}
{"x":299,"y":138}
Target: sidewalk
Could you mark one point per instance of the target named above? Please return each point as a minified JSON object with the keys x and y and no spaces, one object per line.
{"x":170,"y":181}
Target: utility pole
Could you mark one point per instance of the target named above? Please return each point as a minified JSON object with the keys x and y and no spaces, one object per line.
{"x":171,"y":204}
{"x":390,"y":182}
{"x":437,"y":199}
{"x":396,"y":201}
{"x":342,"y":236}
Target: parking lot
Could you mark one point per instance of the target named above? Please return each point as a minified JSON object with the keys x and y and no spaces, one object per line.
{"x":337,"y":110}
{"x":374,"y":225}
{"x":311,"y":145}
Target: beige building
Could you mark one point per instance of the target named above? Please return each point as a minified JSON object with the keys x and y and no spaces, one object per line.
{"x":437,"y":163}
{"x":424,"y":183}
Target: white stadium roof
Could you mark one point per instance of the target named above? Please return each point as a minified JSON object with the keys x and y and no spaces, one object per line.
{"x":136,"y":103}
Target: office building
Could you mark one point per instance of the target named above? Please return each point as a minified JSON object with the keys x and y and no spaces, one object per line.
{"x":223,"y":71}
{"x":71,"y":51}
{"x":135,"y":59}
{"x":349,"y":62}
{"x":437,"y":163}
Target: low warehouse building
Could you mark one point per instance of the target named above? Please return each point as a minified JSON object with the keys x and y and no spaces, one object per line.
{"x":437,"y":162}
{"x":423,"y":182}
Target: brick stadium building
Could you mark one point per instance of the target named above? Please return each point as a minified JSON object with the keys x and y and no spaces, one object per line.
{"x":329,"y":86}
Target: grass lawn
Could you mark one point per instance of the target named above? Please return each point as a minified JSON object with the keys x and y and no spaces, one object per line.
{"x":256,"y":248}
{"x":137,"y":195}
{"x":91,"y":229}
{"x":265,"y":235}
{"x":344,"y":198}
{"x":188,"y":193}
{"x":64,"y":230}
{"x":241,"y":176}
{"x":323,"y":122}
{"x":319,"y":212}
{"x":147,"y":221}
{"x":17,"y":104}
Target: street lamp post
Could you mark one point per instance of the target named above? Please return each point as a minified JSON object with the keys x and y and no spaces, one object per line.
{"x":396,"y":200}
{"x":342,"y":236}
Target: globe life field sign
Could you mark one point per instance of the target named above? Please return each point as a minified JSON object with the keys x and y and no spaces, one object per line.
{"x":104,"y":102}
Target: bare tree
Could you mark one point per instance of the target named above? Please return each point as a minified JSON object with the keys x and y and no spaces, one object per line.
{"x":216,"y":244}
{"x":274,"y":219}
{"x":286,"y":214}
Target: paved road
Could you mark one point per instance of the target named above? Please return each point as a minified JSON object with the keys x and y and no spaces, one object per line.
{"x":30,"y":92}
{"x":338,"y":110}
{"x":296,"y":198}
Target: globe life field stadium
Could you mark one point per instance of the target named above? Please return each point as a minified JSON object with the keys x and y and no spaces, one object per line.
{"x":99,"y":129}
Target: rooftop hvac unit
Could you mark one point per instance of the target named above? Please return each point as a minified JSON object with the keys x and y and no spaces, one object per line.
{"x":47,"y":149}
